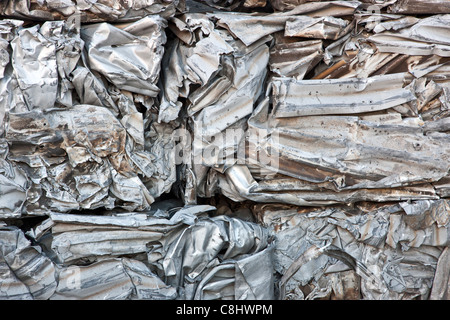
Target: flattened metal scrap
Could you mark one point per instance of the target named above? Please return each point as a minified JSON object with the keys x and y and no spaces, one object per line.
{"x":42,"y":58}
{"x":364,"y":128}
{"x":203,"y":250}
{"x":88,"y":11}
{"x":293,"y":25}
{"x":186,"y":61}
{"x":238,"y":99}
{"x":62,"y":146}
{"x":365,"y":92}
{"x":329,"y":119}
{"x":74,"y":161}
{"x":176,"y":248}
{"x":295,"y":59}
{"x":68,"y":128}
{"x":247,"y":278}
{"x":290,"y":146}
{"x":229,"y":86}
{"x":316,"y":8}
{"x":240,"y":186}
{"x":13,"y":190}
{"x":26,"y":273}
{"x":73,"y":239}
{"x":238,"y":24}
{"x":293,"y":98}
{"x":440,"y":290}
{"x":425,"y":223}
{"x":113,"y":279}
{"x":417,"y":40}
{"x":312,"y":245}
{"x":129,"y":57}
{"x":317,"y":28}
{"x":419,"y":6}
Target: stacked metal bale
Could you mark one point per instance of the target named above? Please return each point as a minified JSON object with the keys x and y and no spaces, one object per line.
{"x":224,"y":150}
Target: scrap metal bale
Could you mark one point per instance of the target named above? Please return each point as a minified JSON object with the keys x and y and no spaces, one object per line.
{"x":198,"y":150}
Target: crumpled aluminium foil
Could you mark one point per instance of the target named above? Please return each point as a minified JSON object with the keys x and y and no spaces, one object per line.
{"x":83,"y":258}
{"x":55,"y":94}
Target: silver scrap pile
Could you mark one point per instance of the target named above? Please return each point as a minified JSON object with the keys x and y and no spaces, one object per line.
{"x":251,"y":149}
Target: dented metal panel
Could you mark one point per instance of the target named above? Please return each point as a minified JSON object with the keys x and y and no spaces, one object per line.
{"x":325,"y":97}
{"x":295,"y":59}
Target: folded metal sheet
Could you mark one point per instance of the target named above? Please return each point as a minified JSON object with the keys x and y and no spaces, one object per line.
{"x":196,"y":257}
{"x":26,"y":273}
{"x":235,"y":102}
{"x":286,"y":5}
{"x":87,"y":10}
{"x":229,"y":86}
{"x":443,"y":187}
{"x":186,"y":58}
{"x":68,"y":150}
{"x":312,"y":245}
{"x":113,"y":279}
{"x":292,"y":97}
{"x":361,"y":160}
{"x":237,"y":24}
{"x":322,"y":27}
{"x":310,"y":7}
{"x":188,"y":251}
{"x":249,"y":278}
{"x":239,"y":185}
{"x":295,"y":59}
{"x":13,"y":191}
{"x":418,"y":6}
{"x":73,"y":237}
{"x":135,"y":68}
